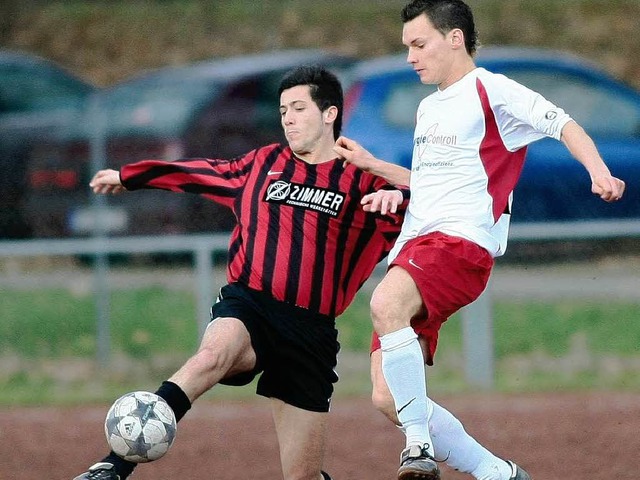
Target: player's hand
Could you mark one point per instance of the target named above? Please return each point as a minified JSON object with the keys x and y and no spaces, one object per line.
{"x":106,"y":181}
{"x":382,"y":201}
{"x":352,"y":152}
{"x":608,"y":187}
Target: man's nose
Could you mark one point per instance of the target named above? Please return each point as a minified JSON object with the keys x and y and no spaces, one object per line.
{"x":288,"y":118}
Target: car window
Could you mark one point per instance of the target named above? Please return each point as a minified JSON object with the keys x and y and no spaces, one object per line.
{"x":601,"y":111}
{"x":162,"y":105}
{"x":267,"y":104}
{"x":25,"y":90}
{"x":175,"y":91}
{"x":401,"y":102}
{"x":258,"y":97}
{"x":227,"y":126}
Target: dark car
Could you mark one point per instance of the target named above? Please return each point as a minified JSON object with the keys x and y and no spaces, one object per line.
{"x":39,"y":101}
{"x":215,"y":109}
{"x":385,"y":93}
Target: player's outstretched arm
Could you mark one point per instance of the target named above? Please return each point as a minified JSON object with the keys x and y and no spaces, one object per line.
{"x":603,"y":184}
{"x":352,"y":152}
{"x":106,"y":181}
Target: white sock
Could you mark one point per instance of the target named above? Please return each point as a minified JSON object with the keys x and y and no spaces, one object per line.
{"x":404,"y":370}
{"x":461,"y":451}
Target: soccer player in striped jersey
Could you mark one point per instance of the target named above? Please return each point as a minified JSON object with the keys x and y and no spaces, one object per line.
{"x":301,"y":248}
{"x":469,"y":147}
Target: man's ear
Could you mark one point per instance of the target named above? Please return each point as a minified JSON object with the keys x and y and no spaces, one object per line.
{"x":330,"y":114}
{"x":457,"y":38}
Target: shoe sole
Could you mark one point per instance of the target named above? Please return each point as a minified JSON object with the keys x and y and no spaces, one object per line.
{"x":410,"y":474}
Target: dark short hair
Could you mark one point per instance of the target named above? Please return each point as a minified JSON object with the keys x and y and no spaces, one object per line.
{"x":325,"y":89}
{"x":445,"y":15}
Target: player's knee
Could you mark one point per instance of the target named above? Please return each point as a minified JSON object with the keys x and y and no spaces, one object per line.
{"x":378,"y":308}
{"x":384,"y":313}
{"x":225,"y":348}
{"x":209,"y":360}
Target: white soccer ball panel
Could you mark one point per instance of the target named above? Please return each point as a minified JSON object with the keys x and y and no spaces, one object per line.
{"x":124,"y":405}
{"x":154,"y":432}
{"x":146,"y":397}
{"x":164,"y":413}
{"x":129,"y":427}
{"x":118,"y":445}
{"x":157,"y":451}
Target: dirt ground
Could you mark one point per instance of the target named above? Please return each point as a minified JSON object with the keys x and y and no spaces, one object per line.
{"x":592,"y":436}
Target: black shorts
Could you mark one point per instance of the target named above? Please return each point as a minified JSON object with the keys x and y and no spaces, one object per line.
{"x":296,"y":349}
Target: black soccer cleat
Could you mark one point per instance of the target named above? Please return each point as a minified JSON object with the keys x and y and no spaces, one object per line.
{"x":417,"y":464}
{"x":100,"y":471}
{"x":517,"y":473}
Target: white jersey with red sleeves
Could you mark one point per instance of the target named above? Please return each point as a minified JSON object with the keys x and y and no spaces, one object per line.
{"x":469,"y":147}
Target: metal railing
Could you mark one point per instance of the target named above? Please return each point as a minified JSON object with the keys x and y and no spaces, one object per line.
{"x":202,"y":246}
{"x":477,"y":317}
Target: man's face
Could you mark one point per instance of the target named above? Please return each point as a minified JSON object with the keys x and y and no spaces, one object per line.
{"x":430,"y":52}
{"x":301,"y":119}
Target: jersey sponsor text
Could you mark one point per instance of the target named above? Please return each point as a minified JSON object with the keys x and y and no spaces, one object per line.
{"x":305,"y":196}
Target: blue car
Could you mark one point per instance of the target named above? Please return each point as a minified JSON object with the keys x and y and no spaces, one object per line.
{"x":384,"y":94}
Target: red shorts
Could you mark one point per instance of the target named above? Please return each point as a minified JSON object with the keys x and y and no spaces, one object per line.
{"x":450,"y":272}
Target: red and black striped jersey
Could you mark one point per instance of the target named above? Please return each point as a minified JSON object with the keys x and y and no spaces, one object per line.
{"x":301,"y":233}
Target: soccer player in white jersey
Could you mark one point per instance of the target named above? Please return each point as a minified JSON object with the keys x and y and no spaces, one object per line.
{"x":469,"y":147}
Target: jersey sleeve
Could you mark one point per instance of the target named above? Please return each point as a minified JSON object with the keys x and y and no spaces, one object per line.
{"x":523,"y":115}
{"x":218,"y":180}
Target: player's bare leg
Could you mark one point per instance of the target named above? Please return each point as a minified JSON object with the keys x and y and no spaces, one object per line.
{"x":302,"y":438}
{"x":395,"y":301}
{"x":225,"y":351}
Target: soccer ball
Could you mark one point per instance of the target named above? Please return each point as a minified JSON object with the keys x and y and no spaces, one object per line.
{"x":140,"y":427}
